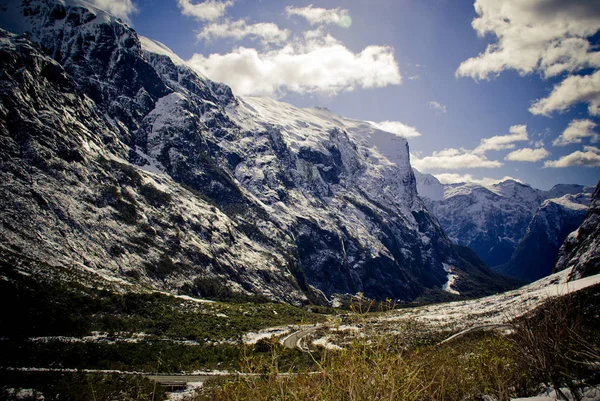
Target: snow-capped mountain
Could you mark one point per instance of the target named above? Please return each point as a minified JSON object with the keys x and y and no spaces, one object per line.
{"x":581,"y":249}
{"x":120,"y":160}
{"x":536,"y":253}
{"x":491,"y":219}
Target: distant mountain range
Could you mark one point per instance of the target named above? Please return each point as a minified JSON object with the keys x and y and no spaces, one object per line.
{"x":554,"y":220}
{"x":514,"y":228}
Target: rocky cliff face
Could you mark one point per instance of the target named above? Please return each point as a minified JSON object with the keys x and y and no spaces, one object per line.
{"x":119,"y":159}
{"x":70,"y":197}
{"x":581,"y":249}
{"x":493,"y":219}
{"x":536,"y":253}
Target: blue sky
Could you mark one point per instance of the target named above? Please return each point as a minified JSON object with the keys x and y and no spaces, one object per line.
{"x":527,"y":107}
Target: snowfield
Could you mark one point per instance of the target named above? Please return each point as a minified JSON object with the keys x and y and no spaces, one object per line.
{"x":495,"y":309}
{"x":492,"y":312}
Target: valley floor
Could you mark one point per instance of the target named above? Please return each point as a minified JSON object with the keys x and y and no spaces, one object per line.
{"x":61,"y":335}
{"x":445,"y":319}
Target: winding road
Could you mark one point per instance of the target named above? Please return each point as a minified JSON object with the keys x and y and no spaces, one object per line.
{"x":293,"y":340}
{"x":175,"y":381}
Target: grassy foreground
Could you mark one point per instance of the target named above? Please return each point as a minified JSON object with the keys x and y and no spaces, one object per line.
{"x":557,"y":344}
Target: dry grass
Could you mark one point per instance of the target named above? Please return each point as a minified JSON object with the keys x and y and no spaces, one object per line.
{"x":557,"y":345}
{"x":382,"y":369}
{"x":551,"y":346}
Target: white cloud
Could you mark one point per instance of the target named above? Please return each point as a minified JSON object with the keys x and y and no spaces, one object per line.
{"x":528,"y":155}
{"x":545,"y":36}
{"x":321,"y":16}
{"x":549,"y":37}
{"x":588,"y":158}
{"x":452,"y":178}
{"x":500,"y":142}
{"x":576,"y":131}
{"x":119,"y":8}
{"x":452,"y":159}
{"x":438,"y":107}
{"x":538,"y":143}
{"x":414,"y":77}
{"x":574,"y":89}
{"x":266,"y":32}
{"x":208,"y":10}
{"x":396,"y":127}
{"x":315,"y":63}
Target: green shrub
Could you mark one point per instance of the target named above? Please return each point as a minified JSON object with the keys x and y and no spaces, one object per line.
{"x":78,"y":387}
{"x":216,"y":289}
{"x":124,"y":356}
{"x":122,"y":201}
{"x":126,"y":174}
{"x":127,"y":212}
{"x":162,"y":268}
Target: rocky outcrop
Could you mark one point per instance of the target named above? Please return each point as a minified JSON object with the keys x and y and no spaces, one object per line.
{"x":581,"y":249}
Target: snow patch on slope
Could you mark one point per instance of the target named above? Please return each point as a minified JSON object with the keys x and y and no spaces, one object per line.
{"x":451,"y":279}
{"x":308,"y":128}
{"x":572,"y":202}
{"x":254,"y":337}
{"x":156,"y":47}
{"x":326,"y":343}
{"x":496,"y":309}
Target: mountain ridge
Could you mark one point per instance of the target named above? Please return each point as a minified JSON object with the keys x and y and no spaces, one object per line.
{"x":495,"y":219}
{"x":536,"y":253}
{"x":190,"y":185}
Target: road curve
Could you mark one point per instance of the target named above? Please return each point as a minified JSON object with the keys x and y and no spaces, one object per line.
{"x":293,"y":340}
